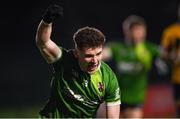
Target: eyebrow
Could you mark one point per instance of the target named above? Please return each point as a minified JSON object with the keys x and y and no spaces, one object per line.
{"x":99,"y":53}
{"x":93,"y":55}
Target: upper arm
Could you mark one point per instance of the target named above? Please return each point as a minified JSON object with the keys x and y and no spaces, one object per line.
{"x":50,"y":51}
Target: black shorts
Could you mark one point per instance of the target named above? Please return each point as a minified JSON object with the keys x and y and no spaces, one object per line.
{"x":176,"y":91}
{"x":125,"y":106}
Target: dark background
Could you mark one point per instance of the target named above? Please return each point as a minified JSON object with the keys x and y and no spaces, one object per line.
{"x":25,"y":76}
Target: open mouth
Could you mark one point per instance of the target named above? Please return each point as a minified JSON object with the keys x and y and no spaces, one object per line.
{"x":93,"y":67}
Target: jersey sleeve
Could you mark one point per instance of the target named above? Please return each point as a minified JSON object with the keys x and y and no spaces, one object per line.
{"x":112,"y":90}
{"x":60,"y":61}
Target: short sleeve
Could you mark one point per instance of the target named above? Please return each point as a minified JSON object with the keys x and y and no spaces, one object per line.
{"x":113,"y":90}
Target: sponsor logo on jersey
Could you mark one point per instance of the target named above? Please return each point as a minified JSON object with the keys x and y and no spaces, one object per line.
{"x":101,"y":86}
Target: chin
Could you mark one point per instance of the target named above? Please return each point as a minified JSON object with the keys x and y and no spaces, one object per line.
{"x":91,"y":72}
{"x":93,"y":69}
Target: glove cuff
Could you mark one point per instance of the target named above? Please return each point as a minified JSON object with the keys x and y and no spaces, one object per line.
{"x":46,"y":23}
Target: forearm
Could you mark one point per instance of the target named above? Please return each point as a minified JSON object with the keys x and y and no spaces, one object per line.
{"x":43,"y":33}
{"x":113,"y":112}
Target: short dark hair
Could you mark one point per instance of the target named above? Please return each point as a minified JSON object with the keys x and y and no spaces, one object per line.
{"x":87,"y":37}
{"x":132,"y":21}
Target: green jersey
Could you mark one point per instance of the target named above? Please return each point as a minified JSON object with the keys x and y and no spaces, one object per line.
{"x":78,"y":94}
{"x":132,"y":64}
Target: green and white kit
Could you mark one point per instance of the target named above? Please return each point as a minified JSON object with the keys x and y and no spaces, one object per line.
{"x":76,"y":93}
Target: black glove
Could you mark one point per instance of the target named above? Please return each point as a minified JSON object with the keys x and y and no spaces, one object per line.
{"x":52,"y":13}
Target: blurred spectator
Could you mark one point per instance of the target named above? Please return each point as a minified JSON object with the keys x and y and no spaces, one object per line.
{"x":171,"y":53}
{"x":133,"y":61}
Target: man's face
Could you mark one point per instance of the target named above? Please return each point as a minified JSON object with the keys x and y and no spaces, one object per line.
{"x":138,"y":33}
{"x":89,"y":58}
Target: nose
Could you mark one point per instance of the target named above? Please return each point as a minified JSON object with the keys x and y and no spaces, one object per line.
{"x":94,"y":59}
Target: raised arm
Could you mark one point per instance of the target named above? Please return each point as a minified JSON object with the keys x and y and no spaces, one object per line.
{"x":49,"y":50}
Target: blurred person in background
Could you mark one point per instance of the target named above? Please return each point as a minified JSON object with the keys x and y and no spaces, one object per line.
{"x":171,"y":53}
{"x":133,"y":60}
{"x":81,"y":80}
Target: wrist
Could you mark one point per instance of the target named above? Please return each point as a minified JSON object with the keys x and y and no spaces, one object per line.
{"x":45,"y":23}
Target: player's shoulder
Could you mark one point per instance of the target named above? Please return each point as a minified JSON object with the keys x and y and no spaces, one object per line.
{"x":66,"y":52}
{"x":172,"y":27}
{"x":67,"y":56}
{"x":104,"y":64}
{"x":105,"y":67}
